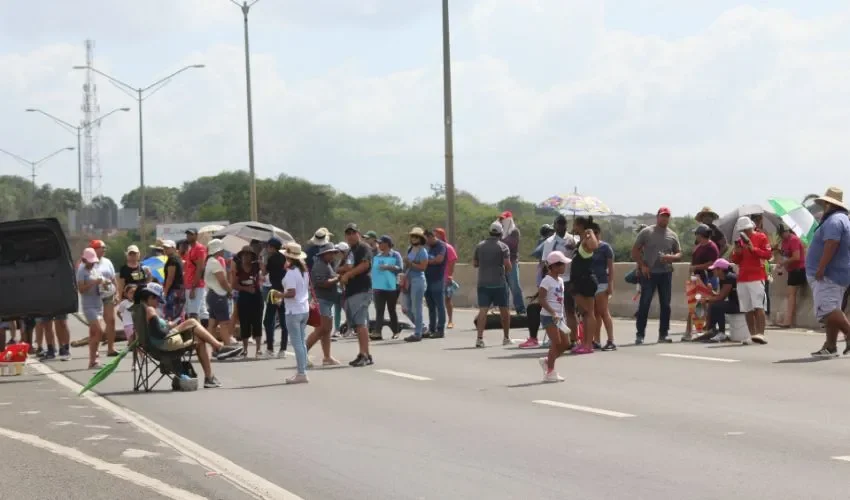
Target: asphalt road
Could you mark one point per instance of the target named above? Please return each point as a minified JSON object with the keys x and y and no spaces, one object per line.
{"x":441,"y":419}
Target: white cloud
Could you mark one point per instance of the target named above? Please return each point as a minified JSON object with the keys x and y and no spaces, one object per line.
{"x":546,"y":97}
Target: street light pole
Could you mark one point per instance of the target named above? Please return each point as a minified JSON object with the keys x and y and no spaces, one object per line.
{"x":447,"y":117}
{"x":245,"y":7}
{"x":79,"y":130}
{"x":138,"y":93}
{"x":33,"y":166}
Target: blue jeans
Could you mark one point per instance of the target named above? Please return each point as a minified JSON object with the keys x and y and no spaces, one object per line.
{"x":275,"y":313}
{"x":515,"y":288}
{"x":296,"y":324}
{"x":663,"y":283}
{"x":435,"y":297}
{"x":413,"y":303}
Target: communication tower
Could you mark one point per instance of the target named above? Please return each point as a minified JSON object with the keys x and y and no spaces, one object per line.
{"x":92,"y":179}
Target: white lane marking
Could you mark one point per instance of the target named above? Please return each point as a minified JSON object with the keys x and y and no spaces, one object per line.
{"x":403,"y":375}
{"x":134,"y":453}
{"x":30,"y":412}
{"x":241,"y":478}
{"x":87,"y":416}
{"x":5,"y":403}
{"x":62,"y":423}
{"x":97,"y":437}
{"x":118,"y":439}
{"x":698,"y":358}
{"x":115,"y":470}
{"x":78,"y":407}
{"x":845,"y":458}
{"x":587,"y":409}
{"x":98,"y":427}
{"x":735,"y":433}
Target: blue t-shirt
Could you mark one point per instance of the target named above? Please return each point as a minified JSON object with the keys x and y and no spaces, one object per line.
{"x":436,"y":273}
{"x":599,"y":264}
{"x":385,"y":280}
{"x":417,"y":256}
{"x":836,"y":227}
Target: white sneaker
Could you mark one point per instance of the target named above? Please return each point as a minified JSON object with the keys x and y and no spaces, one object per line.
{"x":281,"y":354}
{"x":544,"y":362}
{"x":552,"y":377}
{"x":759,"y":339}
{"x":507,"y":341}
{"x":720,"y":337}
{"x":297,"y":379}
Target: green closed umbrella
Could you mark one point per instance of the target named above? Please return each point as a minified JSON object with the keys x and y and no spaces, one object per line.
{"x":108,"y":368}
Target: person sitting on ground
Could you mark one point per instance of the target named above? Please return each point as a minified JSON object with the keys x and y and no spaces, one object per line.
{"x":171,"y":336}
{"x":723,"y":302}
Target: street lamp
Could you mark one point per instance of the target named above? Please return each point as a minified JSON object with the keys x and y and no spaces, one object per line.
{"x":140,"y":97}
{"x":79,"y":129}
{"x":33,"y":166}
{"x":245,"y":7}
{"x":447,"y":124}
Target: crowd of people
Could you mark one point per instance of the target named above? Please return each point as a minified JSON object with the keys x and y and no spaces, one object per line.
{"x":274,"y":284}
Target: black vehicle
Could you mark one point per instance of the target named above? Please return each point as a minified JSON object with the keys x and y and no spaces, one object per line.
{"x":37,"y":274}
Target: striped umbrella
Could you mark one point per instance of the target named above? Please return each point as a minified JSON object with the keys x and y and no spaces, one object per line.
{"x":795,"y":216}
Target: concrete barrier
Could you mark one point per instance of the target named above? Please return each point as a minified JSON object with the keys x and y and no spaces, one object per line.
{"x":622,"y":302}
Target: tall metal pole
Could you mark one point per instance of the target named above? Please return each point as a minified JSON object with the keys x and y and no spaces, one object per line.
{"x":253,"y":179}
{"x":80,"y":167}
{"x":447,"y":116}
{"x":142,"y":232}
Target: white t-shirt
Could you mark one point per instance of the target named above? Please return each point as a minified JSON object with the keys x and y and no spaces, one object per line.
{"x":124,"y":312}
{"x":300,"y":304}
{"x":212,"y":267}
{"x":566,"y":245}
{"x":554,"y":294}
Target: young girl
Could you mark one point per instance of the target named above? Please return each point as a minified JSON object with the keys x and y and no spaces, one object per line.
{"x":551,"y":299}
{"x":124,"y":312}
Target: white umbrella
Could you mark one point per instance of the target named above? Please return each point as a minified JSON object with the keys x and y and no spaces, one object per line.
{"x":205,"y":234}
{"x":253,"y":230}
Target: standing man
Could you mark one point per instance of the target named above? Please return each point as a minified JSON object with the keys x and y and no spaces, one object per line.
{"x":372,"y":241}
{"x":510,"y":237}
{"x":435,"y":286}
{"x":451,"y":286}
{"x":708,"y":217}
{"x":655,"y":250}
{"x":173,"y":291}
{"x":193,"y":278}
{"x":828,"y":269}
{"x":492,"y":258}
{"x":107,"y":293}
{"x":276,"y":269}
{"x":358,"y":292}
{"x":751,"y":251}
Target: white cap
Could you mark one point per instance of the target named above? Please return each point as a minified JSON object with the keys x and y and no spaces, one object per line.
{"x":342,"y":246}
{"x":557,"y":257}
{"x":133,"y":249}
{"x":169,"y":244}
{"x":215,"y":246}
{"x":496,"y":228}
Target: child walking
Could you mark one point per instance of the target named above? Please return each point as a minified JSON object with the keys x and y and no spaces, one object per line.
{"x":551,"y":299}
{"x":125,"y":314}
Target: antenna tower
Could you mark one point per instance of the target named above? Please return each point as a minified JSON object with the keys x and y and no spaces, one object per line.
{"x":92,"y":183}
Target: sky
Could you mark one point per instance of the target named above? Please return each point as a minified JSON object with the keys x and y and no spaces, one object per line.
{"x":640,"y":103}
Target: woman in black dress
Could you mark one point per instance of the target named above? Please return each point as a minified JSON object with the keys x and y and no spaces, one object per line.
{"x":249,"y":303}
{"x":583,"y":282}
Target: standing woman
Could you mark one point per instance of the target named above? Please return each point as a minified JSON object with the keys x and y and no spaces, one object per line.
{"x":296,"y":296}
{"x":108,"y":293}
{"x":249,"y":302}
{"x":583,"y":283}
{"x":414,"y":283}
{"x":386,"y":265}
{"x":793,"y":263}
{"x":603,"y":269}
{"x":89,"y":282}
{"x":325,"y":283}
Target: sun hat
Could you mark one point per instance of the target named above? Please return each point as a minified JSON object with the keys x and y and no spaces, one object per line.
{"x":326,"y":248}
{"x":833,"y":196}
{"x":320,"y":236}
{"x":744,"y":223}
{"x":293,"y":251}
{"x":557,"y":257}
{"x":417,"y":231}
{"x":707,"y":211}
{"x":722,"y":264}
{"x":496,"y":228}
{"x":132,"y":249}
{"x":90,"y":256}
{"x":169,"y":244}
{"x":158,"y":244}
{"x":215,"y":246}
{"x":342,"y":247}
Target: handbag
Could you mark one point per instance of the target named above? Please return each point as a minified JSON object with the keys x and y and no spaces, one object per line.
{"x":314,"y":317}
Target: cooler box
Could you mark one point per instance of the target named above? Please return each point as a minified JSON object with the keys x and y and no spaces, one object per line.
{"x":736,"y":327}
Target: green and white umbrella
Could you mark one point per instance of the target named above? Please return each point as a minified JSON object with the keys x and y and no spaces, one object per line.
{"x":795,"y":216}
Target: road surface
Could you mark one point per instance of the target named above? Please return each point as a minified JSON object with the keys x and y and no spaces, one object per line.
{"x":441,"y":419}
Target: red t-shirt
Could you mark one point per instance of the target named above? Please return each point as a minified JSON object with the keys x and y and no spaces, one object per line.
{"x":751,"y":262}
{"x":197,"y":252}
{"x":790,"y":245}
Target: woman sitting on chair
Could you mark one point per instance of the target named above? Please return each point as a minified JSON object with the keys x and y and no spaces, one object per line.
{"x":172,"y":336}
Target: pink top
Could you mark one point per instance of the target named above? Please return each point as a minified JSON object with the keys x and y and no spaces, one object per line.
{"x":451,"y":258}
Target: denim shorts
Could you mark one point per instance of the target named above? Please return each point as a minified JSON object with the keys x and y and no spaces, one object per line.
{"x":601,"y":288}
{"x":93,"y":313}
{"x":492,"y":296}
{"x":357,"y":309}
{"x":546,"y":321}
{"x":218,"y":306}
{"x":326,"y":308}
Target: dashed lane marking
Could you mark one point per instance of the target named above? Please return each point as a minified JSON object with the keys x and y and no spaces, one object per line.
{"x":586,"y":409}
{"x":404,"y":375}
{"x":698,"y":358}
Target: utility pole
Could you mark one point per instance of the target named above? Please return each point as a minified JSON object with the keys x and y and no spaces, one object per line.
{"x":245,"y":7}
{"x":447,"y":122}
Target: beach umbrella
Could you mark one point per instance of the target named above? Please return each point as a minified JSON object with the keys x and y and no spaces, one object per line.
{"x":156,"y":264}
{"x":108,"y":368}
{"x":205,"y":234}
{"x":796,"y":216}
{"x":253,"y":230}
{"x":576,"y":203}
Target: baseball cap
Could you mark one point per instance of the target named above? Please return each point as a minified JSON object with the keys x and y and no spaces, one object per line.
{"x":386,"y":239}
{"x":506,"y":214}
{"x":132,"y":249}
{"x":720,"y":264}
{"x":441,"y":233}
{"x":557,"y":257}
{"x":275,"y":243}
{"x":495,"y":228}
{"x":154,"y":289}
{"x":352,"y":228}
{"x":663,"y":211}
{"x":97,"y":244}
{"x":191,"y":230}
{"x":89,"y":255}
{"x":703,"y":230}
{"x":372,"y":234}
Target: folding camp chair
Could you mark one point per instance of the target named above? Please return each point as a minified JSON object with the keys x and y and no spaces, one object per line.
{"x":151,"y":365}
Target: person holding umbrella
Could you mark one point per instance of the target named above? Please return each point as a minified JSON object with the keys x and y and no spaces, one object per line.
{"x":751,"y":251}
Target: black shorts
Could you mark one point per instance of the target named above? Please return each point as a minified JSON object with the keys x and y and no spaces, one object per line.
{"x":797,"y":277}
{"x":583,"y":287}
{"x":218,"y":306}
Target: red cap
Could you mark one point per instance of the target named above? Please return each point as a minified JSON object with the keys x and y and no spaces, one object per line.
{"x":506,"y":214}
{"x":96,"y":244}
{"x":441,"y":233}
{"x":663,"y":211}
